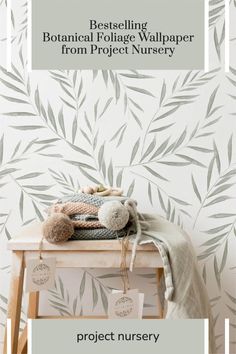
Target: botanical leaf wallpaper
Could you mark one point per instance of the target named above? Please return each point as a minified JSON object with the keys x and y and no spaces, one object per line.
{"x":166,"y":137}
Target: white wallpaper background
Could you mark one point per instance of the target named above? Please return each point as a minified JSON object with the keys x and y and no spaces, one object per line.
{"x":167,"y":137}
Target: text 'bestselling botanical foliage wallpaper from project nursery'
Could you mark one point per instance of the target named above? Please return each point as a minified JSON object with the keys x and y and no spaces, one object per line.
{"x":166,"y":137}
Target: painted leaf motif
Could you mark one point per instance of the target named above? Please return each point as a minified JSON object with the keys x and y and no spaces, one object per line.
{"x":195,"y":188}
{"x":134,"y":151}
{"x":82,"y":286}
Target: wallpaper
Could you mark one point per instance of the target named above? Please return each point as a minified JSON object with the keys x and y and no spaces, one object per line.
{"x":166,"y":137}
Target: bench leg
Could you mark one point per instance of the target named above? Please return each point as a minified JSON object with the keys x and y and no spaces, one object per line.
{"x":33,"y":307}
{"x":15,"y":299}
{"x":159,"y":274}
{"x":22,"y":345}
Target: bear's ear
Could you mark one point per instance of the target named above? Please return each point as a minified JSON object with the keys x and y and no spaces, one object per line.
{"x":113,"y":215}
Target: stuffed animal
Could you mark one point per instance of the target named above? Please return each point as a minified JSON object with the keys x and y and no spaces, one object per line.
{"x":112,"y":215}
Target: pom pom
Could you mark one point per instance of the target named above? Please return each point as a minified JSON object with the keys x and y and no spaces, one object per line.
{"x":113,"y":215}
{"x":58,"y":228}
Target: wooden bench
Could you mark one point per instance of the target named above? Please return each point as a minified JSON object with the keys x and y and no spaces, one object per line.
{"x":72,"y":254}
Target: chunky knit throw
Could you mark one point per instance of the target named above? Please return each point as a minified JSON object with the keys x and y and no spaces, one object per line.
{"x":74,"y":208}
{"x":71,"y":208}
{"x":87,"y":218}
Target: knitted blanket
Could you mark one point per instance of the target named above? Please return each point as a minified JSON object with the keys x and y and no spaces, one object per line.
{"x":185,"y":293}
{"x":89,"y":199}
{"x":92,"y":233}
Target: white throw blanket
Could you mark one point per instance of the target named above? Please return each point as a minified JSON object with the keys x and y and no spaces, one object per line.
{"x":185,"y":293}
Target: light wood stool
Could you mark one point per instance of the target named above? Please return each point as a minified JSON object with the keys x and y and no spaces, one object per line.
{"x":73,"y":254}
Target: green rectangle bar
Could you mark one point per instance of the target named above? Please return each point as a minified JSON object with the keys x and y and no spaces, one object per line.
{"x":110,"y":34}
{"x":117,"y":336}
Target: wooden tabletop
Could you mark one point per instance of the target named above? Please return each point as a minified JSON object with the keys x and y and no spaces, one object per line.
{"x":30,"y":236}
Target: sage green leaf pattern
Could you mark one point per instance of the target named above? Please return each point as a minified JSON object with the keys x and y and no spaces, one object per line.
{"x":167,"y":138}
